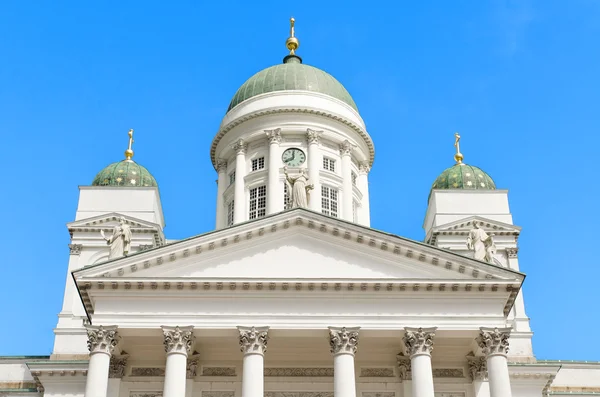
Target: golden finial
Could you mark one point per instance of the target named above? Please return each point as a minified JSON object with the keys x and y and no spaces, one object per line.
{"x":292,"y":43}
{"x":129,"y":151}
{"x":458,"y":156}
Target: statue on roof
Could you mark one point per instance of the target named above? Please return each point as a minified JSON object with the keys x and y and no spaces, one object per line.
{"x":299,"y":188}
{"x":482,"y":244}
{"x":120,"y":241}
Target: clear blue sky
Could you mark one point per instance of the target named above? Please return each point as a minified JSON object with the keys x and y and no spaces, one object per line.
{"x":519,"y":79}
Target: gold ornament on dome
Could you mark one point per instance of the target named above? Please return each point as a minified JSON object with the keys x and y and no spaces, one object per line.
{"x":458,"y":156}
{"x":129,"y":151}
{"x":292,"y":43}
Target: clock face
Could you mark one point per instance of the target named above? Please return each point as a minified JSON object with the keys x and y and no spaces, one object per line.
{"x":293,"y":157}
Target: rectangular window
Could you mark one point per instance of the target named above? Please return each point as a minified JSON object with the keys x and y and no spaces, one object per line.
{"x":287,"y":197}
{"x":258,"y":164}
{"x":328,"y":164}
{"x":231,"y":178}
{"x":258,"y":202}
{"x":354,"y":211}
{"x":329,"y":201}
{"x":230,"y":208}
{"x":353,"y":176}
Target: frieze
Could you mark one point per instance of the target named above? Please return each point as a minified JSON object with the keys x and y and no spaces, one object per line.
{"x":218,"y":371}
{"x":145,"y":394}
{"x":218,"y":393}
{"x":448,"y":373}
{"x":377,"y":372}
{"x":379,"y":394}
{"x":298,"y":371}
{"x":147,"y":371}
{"x":299,"y":394}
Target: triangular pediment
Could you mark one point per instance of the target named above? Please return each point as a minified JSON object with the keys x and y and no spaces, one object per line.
{"x":463,"y":226}
{"x":299,"y":244}
{"x":106,"y":222}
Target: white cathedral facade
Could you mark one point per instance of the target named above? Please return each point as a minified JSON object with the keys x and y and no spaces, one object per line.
{"x":293,"y":294}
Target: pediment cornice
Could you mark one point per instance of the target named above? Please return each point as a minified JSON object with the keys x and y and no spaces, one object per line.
{"x":106,"y":222}
{"x":464,"y":226}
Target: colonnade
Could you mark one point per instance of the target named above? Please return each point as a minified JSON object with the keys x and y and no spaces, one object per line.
{"x":343,"y":341}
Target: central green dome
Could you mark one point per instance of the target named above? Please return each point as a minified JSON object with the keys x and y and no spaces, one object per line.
{"x":292,"y":75}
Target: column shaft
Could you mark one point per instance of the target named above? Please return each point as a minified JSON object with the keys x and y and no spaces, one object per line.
{"x":175,"y":372}
{"x":494,"y":344}
{"x":97,"y":378}
{"x":344,"y":344}
{"x":221,"y":221}
{"x":253,"y":343}
{"x":422,"y":376}
{"x":239,"y":209}
{"x":101,"y":343}
{"x":363,"y":186}
{"x":274,"y":188}
{"x":344,"y":383}
{"x":252,"y":376}
{"x":498,"y":375}
{"x":419,"y":344}
{"x":348,"y":194}
{"x":315,"y":160}
{"x":178,"y":343}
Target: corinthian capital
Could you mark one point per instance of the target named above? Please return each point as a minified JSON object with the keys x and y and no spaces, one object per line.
{"x":117,"y":366}
{"x":253,"y":340}
{"x":178,"y":339}
{"x":221,"y":165}
{"x":364,"y":167}
{"x":75,"y":249}
{"x":419,"y":340}
{"x":102,"y":339}
{"x":477,"y":367}
{"x":493,"y":340}
{"x":274,"y":136}
{"x":404,"y":366}
{"x":240,"y":147}
{"x":313,"y":136}
{"x":343,"y":340}
{"x":346,"y":147}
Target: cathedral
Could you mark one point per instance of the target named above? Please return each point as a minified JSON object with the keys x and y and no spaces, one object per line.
{"x":293,"y":294}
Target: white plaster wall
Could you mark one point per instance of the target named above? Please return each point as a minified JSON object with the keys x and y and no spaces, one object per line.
{"x":446,"y":206}
{"x":140,"y":202}
{"x":14,"y":370}
{"x":578,"y":375}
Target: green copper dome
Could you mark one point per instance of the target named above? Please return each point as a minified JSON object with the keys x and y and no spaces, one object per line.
{"x":464,"y":176}
{"x":292,"y":75}
{"x":125,"y":173}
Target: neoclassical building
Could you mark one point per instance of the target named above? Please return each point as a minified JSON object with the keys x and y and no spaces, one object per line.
{"x":293,"y":294}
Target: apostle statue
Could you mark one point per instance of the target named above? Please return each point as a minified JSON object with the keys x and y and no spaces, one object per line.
{"x":481,"y":243}
{"x":299,"y":188}
{"x":120,"y":241}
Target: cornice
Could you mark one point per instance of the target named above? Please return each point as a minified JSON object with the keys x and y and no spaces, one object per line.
{"x":484,"y":276}
{"x":98,"y":223}
{"x":463,"y":227}
{"x":283,"y":110}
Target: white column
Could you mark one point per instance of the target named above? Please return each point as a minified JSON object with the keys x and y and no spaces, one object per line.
{"x":419,"y":344}
{"x":191,"y":372}
{"x":221,"y":186}
{"x":274,"y":189}
{"x":347,"y":196}
{"x":178,"y":343}
{"x":101,"y":343}
{"x":239,"y":209}
{"x":404,"y":372}
{"x":116,"y":371}
{"x":344,"y":343}
{"x":315,"y":161}
{"x":494,"y":344}
{"x":253,"y":343}
{"x":479,"y":375}
{"x":363,"y":186}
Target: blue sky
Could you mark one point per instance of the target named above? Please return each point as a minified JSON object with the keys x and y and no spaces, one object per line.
{"x":518,"y":79}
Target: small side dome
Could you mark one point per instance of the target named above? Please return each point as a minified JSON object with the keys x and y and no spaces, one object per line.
{"x":126,"y":173}
{"x":464,"y":176}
